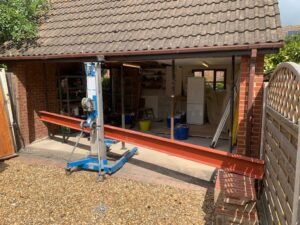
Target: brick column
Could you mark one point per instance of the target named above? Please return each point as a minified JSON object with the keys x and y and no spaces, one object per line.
{"x":257,"y":106}
{"x":243,"y":100}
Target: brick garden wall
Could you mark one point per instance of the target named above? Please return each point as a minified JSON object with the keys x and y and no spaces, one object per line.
{"x":257,"y":106}
{"x":34,"y":95}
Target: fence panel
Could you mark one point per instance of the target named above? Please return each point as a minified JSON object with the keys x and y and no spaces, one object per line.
{"x":282,"y":113}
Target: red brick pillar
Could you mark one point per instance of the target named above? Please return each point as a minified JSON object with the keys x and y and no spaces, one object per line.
{"x":257,"y":106}
{"x":242,"y":121}
{"x":20,"y":83}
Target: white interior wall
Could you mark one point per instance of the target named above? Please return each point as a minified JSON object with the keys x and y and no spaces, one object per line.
{"x":160,"y":99}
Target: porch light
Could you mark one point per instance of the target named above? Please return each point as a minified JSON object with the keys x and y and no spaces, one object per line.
{"x":131,"y":65}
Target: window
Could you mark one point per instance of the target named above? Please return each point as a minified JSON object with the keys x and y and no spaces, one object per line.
{"x":198,"y":73}
{"x":216,"y":79}
{"x":220,"y":82}
{"x":209,"y":77}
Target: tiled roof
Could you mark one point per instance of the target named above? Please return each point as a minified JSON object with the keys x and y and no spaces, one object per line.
{"x":106,"y":26}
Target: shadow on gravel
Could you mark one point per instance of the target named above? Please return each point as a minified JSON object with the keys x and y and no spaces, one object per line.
{"x":3,"y":166}
{"x":208,"y":206}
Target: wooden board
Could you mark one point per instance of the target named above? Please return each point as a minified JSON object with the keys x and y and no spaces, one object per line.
{"x":6,"y":146}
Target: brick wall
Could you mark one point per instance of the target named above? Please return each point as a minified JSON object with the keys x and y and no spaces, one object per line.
{"x":235,"y":200}
{"x":257,"y":106}
{"x":33,"y":96}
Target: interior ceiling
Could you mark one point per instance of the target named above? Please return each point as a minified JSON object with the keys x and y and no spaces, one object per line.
{"x":199,"y":61}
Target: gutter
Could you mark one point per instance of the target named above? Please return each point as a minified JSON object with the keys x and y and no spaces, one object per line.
{"x":177,"y":51}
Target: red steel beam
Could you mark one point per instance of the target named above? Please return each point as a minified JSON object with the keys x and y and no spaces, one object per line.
{"x":223,"y":160}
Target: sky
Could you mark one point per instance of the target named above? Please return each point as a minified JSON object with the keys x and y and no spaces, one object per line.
{"x":290,"y":12}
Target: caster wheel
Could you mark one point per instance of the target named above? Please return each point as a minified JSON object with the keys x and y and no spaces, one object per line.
{"x":100,"y":178}
{"x":68,"y":172}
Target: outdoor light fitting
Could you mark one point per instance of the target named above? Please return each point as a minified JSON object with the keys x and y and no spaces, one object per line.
{"x":131,"y":65}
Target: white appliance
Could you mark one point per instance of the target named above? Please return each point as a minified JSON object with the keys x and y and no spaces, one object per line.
{"x":195,"y":100}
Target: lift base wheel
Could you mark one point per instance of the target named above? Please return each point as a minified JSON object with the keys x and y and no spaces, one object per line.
{"x":100,"y":178}
{"x":68,"y":172}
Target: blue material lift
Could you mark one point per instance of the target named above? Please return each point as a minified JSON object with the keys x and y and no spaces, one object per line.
{"x":92,"y":163}
{"x":93,"y":106}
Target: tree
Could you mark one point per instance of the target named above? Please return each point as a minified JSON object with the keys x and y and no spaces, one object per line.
{"x":19,"y":19}
{"x":289,"y":53}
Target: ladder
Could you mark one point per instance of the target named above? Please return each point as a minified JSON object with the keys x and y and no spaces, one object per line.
{"x":224,"y":118}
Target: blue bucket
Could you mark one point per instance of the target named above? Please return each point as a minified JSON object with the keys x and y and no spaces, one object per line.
{"x":177,"y":120}
{"x":129,"y":119}
{"x":181,"y":133}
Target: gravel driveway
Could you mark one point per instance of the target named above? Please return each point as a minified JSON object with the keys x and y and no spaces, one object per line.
{"x":35,"y":194}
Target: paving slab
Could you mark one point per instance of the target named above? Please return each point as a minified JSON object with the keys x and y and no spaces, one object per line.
{"x":148,"y":165}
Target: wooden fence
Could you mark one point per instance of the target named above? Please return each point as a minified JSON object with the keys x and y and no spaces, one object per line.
{"x":281,"y":144}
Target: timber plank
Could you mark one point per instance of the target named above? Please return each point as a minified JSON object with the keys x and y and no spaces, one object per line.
{"x":279,"y":176}
{"x":287,"y":124}
{"x":284,"y":142}
{"x":272,"y":207}
{"x":279,"y":197}
{"x":6,"y":141}
{"x":282,"y":160}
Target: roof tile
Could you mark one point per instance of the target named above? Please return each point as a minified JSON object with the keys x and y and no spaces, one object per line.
{"x":87,"y":26}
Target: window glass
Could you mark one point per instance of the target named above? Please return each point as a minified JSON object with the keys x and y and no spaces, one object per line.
{"x":198,"y":74}
{"x":209,"y":75}
{"x":220,"y":80}
{"x":216,"y":79}
{"x":220,"y":76}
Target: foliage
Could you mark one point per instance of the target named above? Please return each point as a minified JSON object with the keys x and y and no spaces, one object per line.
{"x":19,"y":19}
{"x":289,"y":53}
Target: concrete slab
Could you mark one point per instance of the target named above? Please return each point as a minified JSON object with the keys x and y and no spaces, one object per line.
{"x":199,"y":134}
{"x":147,"y":166}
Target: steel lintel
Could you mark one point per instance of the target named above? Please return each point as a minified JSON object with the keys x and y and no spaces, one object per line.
{"x":242,"y":165}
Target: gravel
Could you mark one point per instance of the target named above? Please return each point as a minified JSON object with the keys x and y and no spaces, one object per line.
{"x":35,"y":194}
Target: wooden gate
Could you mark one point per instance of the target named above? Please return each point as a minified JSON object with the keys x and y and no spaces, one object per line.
{"x":281,"y":145}
{"x":6,"y":142}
